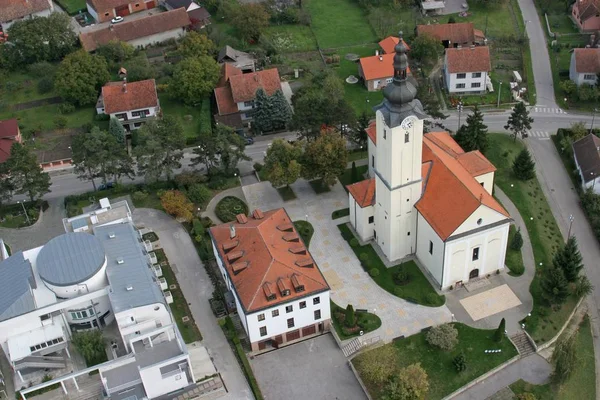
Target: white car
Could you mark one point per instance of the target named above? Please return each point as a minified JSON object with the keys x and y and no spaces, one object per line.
{"x":116,"y":20}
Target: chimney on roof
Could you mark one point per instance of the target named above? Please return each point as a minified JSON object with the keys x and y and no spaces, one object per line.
{"x":231,"y":231}
{"x":472,"y":47}
{"x":125,"y":85}
{"x":255,"y":78}
{"x":380,"y":58}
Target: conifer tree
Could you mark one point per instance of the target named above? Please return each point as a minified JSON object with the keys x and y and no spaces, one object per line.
{"x":519,"y":121}
{"x":524,"y":166}
{"x":517,"y":241}
{"x":554,"y":285}
{"x":350,"y":318}
{"x":569,"y":260}
{"x":281,"y":110}
{"x":473,"y":135}
{"x":354,"y":173}
{"x":116,"y":129}
{"x":500,"y":331}
{"x":262,"y":116}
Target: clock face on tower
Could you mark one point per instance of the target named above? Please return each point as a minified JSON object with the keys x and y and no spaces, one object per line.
{"x":408,"y":122}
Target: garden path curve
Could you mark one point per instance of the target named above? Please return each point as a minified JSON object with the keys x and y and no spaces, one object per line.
{"x":349,"y":283}
{"x":212,"y":205}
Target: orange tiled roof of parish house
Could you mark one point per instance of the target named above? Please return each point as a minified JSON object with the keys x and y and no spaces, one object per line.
{"x":120,"y":96}
{"x":265,"y":259}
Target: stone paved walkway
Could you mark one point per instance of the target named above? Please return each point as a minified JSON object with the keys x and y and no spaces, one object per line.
{"x":348,"y":281}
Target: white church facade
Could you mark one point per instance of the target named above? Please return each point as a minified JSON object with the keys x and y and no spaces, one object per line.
{"x":425,"y":197}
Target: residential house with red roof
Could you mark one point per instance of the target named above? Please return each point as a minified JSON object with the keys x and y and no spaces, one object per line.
{"x":586,"y":14}
{"x":279,"y":291}
{"x":105,"y":10}
{"x":15,"y":10}
{"x":131,"y":103}
{"x":377,"y":71}
{"x":9,"y":134}
{"x":585,"y":66}
{"x":236,"y":91}
{"x":140,"y":32}
{"x":466,"y":69}
{"x":425,"y":197}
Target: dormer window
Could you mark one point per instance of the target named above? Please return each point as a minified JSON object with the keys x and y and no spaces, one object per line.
{"x":283,"y":288}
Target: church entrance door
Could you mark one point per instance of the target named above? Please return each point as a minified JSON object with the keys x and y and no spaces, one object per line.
{"x":474,"y":273}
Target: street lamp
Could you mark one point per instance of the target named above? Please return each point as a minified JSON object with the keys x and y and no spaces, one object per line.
{"x":22,"y":203}
{"x":459,"y":107}
{"x":499,"y":91}
{"x":593,"y":117}
{"x":571,"y":219}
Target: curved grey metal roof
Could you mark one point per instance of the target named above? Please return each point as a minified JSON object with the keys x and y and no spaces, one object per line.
{"x":70,"y":259}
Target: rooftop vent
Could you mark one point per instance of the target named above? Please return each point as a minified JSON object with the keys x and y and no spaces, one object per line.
{"x":239,"y":266}
{"x":241,"y":218}
{"x":234,"y":255}
{"x":112,"y":235}
{"x":285,"y":227}
{"x":120,"y":261}
{"x":268,"y":289}
{"x":258,"y":214}
{"x":298,"y":250}
{"x":129,"y":288}
{"x":283,"y":288}
{"x":297,"y":282}
{"x":305,"y":263}
{"x":291,"y":237}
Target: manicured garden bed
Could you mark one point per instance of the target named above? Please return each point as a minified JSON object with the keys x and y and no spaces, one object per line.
{"x":305,"y":230}
{"x":443,"y":376}
{"x":544,"y":234}
{"x":344,"y":212}
{"x":229,"y":207}
{"x":514,"y":258}
{"x":404,"y":280}
{"x":365,"y":321}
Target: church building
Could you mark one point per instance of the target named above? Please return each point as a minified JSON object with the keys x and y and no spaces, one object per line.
{"x":425,"y":197}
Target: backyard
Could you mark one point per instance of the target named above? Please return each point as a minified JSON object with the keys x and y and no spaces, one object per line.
{"x":403,"y":280}
{"x":194,"y":119}
{"x":545,"y":236}
{"x":20,"y":87}
{"x":439,"y":365}
{"x":291,"y":38}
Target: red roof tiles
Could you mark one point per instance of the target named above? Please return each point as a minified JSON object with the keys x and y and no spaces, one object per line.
{"x":468,"y":59}
{"x":271,"y":265}
{"x":244,"y":86}
{"x":587,"y":61}
{"x":372,"y":132}
{"x":363,"y":192}
{"x":458,"y":33}
{"x":15,"y":9}
{"x":388,"y":44}
{"x":121,"y":97}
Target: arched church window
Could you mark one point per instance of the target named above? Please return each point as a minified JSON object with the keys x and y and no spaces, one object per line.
{"x":406,"y":138}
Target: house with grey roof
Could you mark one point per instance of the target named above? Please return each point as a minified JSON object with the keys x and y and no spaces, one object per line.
{"x":586,"y":152}
{"x":239,"y":59}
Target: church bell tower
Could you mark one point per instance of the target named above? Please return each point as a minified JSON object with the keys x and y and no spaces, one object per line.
{"x":398,"y":160}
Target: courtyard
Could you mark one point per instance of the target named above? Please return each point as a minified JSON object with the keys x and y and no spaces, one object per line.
{"x":329,"y":375}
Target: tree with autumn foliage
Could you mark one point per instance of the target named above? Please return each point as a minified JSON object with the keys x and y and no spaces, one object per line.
{"x":178,"y":205}
{"x":325,"y":158}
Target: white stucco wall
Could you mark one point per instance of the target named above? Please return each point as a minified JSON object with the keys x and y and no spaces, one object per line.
{"x":433,"y":261}
{"x":278,"y":325}
{"x":452,"y":80}
{"x":480,"y":218}
{"x":101,"y":306}
{"x":371,"y":158}
{"x":158,"y":38}
{"x":487,"y":180}
{"x":96,"y":282}
{"x":594,"y":184}
{"x":92,"y":12}
{"x":142,"y":319}
{"x":359,"y":219}
{"x":157,"y":385}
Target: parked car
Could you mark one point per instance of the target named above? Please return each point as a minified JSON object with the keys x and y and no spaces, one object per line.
{"x":117,"y":19}
{"x":107,"y":185}
{"x":249,"y":140}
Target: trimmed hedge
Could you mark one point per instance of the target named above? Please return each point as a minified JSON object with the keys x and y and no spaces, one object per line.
{"x":228,"y":207}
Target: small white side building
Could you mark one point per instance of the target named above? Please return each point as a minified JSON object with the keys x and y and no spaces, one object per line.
{"x":586,"y":152}
{"x":466,"y":69}
{"x":585,"y":66}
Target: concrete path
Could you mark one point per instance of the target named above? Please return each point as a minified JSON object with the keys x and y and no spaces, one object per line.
{"x":348,"y":281}
{"x":48,"y":226}
{"x":197,"y":289}
{"x":533,"y":369}
{"x":211,"y":206}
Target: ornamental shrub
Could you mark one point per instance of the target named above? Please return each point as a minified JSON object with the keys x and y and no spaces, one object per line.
{"x":444,"y":336}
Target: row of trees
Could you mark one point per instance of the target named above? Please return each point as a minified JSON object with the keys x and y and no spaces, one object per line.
{"x":21,"y":174}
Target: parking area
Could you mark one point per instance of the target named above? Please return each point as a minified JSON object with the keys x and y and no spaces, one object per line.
{"x":314,"y":369}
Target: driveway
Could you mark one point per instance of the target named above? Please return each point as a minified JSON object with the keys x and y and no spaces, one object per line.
{"x":348,"y":281}
{"x":314,"y":369}
{"x":130,"y":17}
{"x":197,"y":288}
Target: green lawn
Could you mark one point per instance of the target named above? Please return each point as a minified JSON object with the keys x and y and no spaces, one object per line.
{"x":339,"y":23}
{"x":344,"y":212}
{"x":346,"y":177}
{"x":443,"y":377}
{"x":72,"y":6}
{"x":291,"y":38}
{"x":581,"y":385}
{"x":358,"y":155}
{"x":193,"y":119}
{"x":357,"y":94}
{"x":545,"y":236}
{"x":26,"y":89}
{"x":305,"y":230}
{"x":368,"y":322}
{"x":416,"y":288}
{"x":44,"y":118}
{"x":514,"y":258}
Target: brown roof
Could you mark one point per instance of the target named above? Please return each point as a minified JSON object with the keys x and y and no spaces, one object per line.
{"x":272,"y":267}
{"x":459,"y":33}
{"x":199,"y":15}
{"x":389,"y":43}
{"x":138,"y":28}
{"x":587,"y":60}
{"x":224,"y":99}
{"x":14,"y":9}
{"x":587,"y":8}
{"x":372,"y":132}
{"x":119,"y":97}
{"x":227,"y":71}
{"x":9,"y":128}
{"x":363,"y":192}
{"x":587,"y":156}
{"x":468,"y":59}
{"x":244,"y":87}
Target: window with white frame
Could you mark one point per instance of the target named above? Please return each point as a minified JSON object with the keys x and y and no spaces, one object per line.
{"x":316,"y":301}
{"x":275,"y":313}
{"x":263,"y":331}
{"x":289,"y":309}
{"x":317,"y":314}
{"x":290,"y":323}
{"x":589,"y":77}
{"x":460,"y":85}
{"x":82,"y":314}
{"x":476,"y":75}
{"x":261,"y":317}
{"x":461,"y":76}
{"x":475,"y":84}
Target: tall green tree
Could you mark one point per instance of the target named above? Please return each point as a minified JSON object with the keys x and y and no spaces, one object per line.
{"x":350,"y":317}
{"x":6,"y":184}
{"x":250,"y":20}
{"x":196,"y":44}
{"x":325,"y":158}
{"x":282,"y":162}
{"x":159,"y":151}
{"x":98,"y":154}
{"x":564,"y":359}
{"x":473,"y":135}
{"x":358,"y":133}
{"x":282,"y":112}
{"x":194,"y":79}
{"x":116,"y":52}
{"x":26,"y":175}
{"x":524,"y":166}
{"x":569,"y":260}
{"x":80,"y":77}
{"x":554,"y":285}
{"x":116,"y":129}
{"x":519,"y":121}
{"x":90,"y":345}
{"x":271,"y":112}
{"x":219,"y":150}
{"x":426,"y":49}
{"x":39,"y":39}
{"x":410,"y":383}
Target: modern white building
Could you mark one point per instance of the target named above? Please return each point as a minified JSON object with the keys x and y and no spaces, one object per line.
{"x":280,"y":294}
{"x":12,"y":11}
{"x":96,"y":274}
{"x":585,"y":66}
{"x":586,"y":152}
{"x":426,"y":198}
{"x":466,"y":69}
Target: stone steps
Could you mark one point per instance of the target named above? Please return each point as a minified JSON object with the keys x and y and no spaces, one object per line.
{"x":523,"y":344}
{"x":352,"y":347}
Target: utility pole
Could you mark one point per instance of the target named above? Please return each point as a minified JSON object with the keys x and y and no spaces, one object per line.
{"x":459,"y":107}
